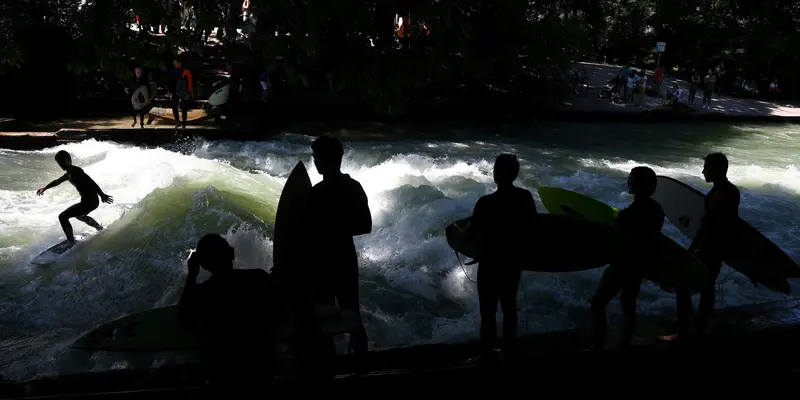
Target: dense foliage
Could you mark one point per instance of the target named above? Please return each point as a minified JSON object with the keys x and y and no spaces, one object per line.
{"x":51,"y":48}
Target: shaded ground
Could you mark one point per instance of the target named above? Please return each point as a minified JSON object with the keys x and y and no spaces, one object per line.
{"x":763,"y":335}
{"x":600,"y":74}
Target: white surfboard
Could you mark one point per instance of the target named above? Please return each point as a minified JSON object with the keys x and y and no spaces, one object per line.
{"x":144,"y":95}
{"x":750,"y":252}
{"x":57,"y":251}
{"x":220,"y":96}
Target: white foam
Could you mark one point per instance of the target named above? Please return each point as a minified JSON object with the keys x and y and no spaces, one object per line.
{"x":413,"y":288}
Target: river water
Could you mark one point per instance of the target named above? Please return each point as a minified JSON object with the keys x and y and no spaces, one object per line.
{"x":412,"y":287}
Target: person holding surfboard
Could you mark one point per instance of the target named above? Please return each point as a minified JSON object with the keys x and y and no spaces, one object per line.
{"x":719,"y":221}
{"x":496,"y":222}
{"x":235,"y":309}
{"x":140,"y":80}
{"x":339,"y":210}
{"x":88,"y":190}
{"x":642,"y":221}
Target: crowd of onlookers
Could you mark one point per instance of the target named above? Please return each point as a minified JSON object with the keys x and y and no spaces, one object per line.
{"x":630,"y":85}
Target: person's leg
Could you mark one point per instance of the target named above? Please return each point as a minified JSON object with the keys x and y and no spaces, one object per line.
{"x":487,"y":300}
{"x":90,"y":221}
{"x":708,"y":296}
{"x":606,"y":291}
{"x":75,"y":210}
{"x":348,"y":298}
{"x":184,"y":106}
{"x":684,"y":310}
{"x":176,"y":101}
{"x":627,"y":299}
{"x":508,"y":303}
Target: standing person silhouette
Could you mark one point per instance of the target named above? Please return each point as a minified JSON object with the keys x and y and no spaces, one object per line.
{"x":339,"y":210}
{"x":714,"y":235}
{"x":496,"y":221}
{"x":642,"y":221}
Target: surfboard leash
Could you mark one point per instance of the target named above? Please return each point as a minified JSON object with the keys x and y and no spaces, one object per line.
{"x":464,"y":270}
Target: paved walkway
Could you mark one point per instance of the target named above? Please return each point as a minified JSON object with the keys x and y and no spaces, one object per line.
{"x":600,"y":74}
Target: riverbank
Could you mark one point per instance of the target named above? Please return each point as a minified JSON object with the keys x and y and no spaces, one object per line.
{"x":760,"y":340}
{"x":25,"y":135}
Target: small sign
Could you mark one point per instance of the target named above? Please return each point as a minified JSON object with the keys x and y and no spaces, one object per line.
{"x":660,"y":46}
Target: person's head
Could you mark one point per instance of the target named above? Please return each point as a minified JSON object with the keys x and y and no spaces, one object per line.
{"x":642,"y":181}
{"x":710,"y":72}
{"x":506,"y":169}
{"x":214,"y":253}
{"x":328,"y":152}
{"x":642,"y":72}
{"x":177,"y":63}
{"x":138,"y":72}
{"x":695,"y":72}
{"x":63,"y":159}
{"x":715,"y":167}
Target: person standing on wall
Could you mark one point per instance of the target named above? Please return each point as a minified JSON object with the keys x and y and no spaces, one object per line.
{"x":180,"y":89}
{"x":495,"y":222}
{"x":339,"y":210}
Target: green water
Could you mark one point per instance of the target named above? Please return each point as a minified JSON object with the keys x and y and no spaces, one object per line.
{"x":412,"y":288}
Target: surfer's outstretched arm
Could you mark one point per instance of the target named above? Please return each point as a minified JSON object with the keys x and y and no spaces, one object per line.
{"x":53,"y":184}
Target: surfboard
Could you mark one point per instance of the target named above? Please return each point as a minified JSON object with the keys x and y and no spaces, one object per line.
{"x":750,"y":252}
{"x":220,"y":96}
{"x":55,"y":252}
{"x":144,"y":95}
{"x":675,"y":268}
{"x":160,"y":330}
{"x":191,"y":115}
{"x":289,"y":235}
{"x":561,"y":243}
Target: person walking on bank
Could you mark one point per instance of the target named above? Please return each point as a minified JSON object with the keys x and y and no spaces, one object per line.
{"x":695,"y":82}
{"x":708,"y":88}
{"x":180,"y":88}
{"x":141,"y":80}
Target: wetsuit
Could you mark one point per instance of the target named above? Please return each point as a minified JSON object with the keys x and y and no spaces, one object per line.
{"x":642,"y":221}
{"x":337,"y":204}
{"x":721,"y":214}
{"x":181,"y":90}
{"x":90,"y":200}
{"x":236,"y":309}
{"x":499,"y":220}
